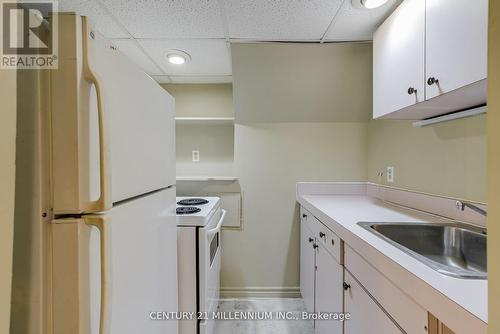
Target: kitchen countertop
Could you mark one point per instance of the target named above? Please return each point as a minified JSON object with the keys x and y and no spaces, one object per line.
{"x":444,"y":296}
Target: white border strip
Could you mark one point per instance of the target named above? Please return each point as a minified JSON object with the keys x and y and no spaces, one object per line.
{"x":450,"y":117}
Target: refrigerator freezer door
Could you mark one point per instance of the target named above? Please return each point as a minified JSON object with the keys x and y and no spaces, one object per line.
{"x":128,"y":143}
{"x":139,"y":275}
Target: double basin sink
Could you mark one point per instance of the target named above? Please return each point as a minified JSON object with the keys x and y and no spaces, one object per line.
{"x":453,"y":249}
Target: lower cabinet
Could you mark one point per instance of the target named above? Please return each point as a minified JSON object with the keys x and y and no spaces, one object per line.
{"x":366,"y":315}
{"x":334,"y":278}
{"x":321,"y":274}
{"x":437,"y":327}
{"x":307,"y":265}
{"x":408,"y":315}
{"x":329,"y":293}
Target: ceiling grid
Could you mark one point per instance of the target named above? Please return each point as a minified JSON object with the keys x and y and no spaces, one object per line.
{"x":334,"y":19}
{"x":145,"y":30}
{"x":137,"y":45}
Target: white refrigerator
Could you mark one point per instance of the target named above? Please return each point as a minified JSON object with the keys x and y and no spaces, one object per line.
{"x":113,"y":239}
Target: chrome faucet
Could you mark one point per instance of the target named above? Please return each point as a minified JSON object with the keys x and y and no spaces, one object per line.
{"x":461,"y":206}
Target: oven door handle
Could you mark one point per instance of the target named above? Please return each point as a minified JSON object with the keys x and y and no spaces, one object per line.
{"x":219,"y":225}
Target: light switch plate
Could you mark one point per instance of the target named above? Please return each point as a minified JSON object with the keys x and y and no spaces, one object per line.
{"x":390,"y":174}
{"x":195,"y":156}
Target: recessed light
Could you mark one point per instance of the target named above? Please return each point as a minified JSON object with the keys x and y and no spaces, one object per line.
{"x":178,"y":57}
{"x":373,"y":3}
{"x":368,"y":4}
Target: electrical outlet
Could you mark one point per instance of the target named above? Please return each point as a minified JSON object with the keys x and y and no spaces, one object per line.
{"x":390,"y":174}
{"x":195,"y":156}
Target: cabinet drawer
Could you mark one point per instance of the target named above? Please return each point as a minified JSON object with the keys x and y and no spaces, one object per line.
{"x":366,"y":315}
{"x":306,"y":218}
{"x":331,"y":242}
{"x":323,"y":235}
{"x":408,"y":314}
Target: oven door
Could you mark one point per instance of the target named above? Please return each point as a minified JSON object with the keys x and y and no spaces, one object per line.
{"x":210,"y":265}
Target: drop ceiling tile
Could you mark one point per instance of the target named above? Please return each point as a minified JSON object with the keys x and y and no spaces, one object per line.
{"x":208,"y":79}
{"x":355,"y":24}
{"x":104,"y":23}
{"x":168,"y":18}
{"x":280,"y":19}
{"x":208,"y":56}
{"x":136,"y":55}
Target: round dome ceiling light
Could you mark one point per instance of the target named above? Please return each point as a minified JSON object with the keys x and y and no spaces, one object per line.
{"x":368,"y":4}
{"x":178,"y":57}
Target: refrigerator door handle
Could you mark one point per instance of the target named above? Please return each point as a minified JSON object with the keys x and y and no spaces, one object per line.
{"x":101,"y":222}
{"x":104,"y":201}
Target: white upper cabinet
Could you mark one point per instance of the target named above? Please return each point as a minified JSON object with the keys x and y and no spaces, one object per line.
{"x":430,"y":58}
{"x":456,"y":44}
{"x":398,"y":59}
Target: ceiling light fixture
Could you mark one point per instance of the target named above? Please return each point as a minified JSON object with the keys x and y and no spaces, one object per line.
{"x":373,"y":3}
{"x":178,"y":57}
{"x":368,"y":4}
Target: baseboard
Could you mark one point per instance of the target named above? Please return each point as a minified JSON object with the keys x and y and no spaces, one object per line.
{"x":260,"y":292}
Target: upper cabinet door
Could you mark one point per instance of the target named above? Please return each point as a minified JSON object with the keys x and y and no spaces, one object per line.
{"x":456,"y":44}
{"x":398,"y":59}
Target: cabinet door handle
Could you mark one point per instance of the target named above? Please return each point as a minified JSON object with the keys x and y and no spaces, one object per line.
{"x":321,"y":234}
{"x":431,"y":81}
{"x":346,"y":286}
{"x":412,"y":91}
{"x":315,"y":246}
{"x":304,"y":215}
{"x":311,"y":239}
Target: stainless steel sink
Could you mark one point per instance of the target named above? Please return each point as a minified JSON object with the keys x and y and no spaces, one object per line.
{"x":457,"y":250}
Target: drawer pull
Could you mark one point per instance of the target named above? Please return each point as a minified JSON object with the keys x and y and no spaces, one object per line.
{"x":304,"y":215}
{"x":321,"y":234}
{"x":315,"y":246}
{"x":311,"y":239}
{"x":346,"y":286}
{"x":333,"y":242}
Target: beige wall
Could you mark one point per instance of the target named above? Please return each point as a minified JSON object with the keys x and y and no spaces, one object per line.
{"x":280,"y":82}
{"x":215,"y":142}
{"x":202,"y":100}
{"x":494,"y":169}
{"x":216,"y":146}
{"x":269,"y":159}
{"x":7,"y":193}
{"x":299,"y":112}
{"x":446,"y":159}
{"x":278,"y":141}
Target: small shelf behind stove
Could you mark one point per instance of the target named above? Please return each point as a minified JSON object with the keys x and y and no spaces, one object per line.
{"x":207,"y":178}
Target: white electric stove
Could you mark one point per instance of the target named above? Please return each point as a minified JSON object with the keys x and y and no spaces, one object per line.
{"x":199,"y":222}
{"x":196,"y":211}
